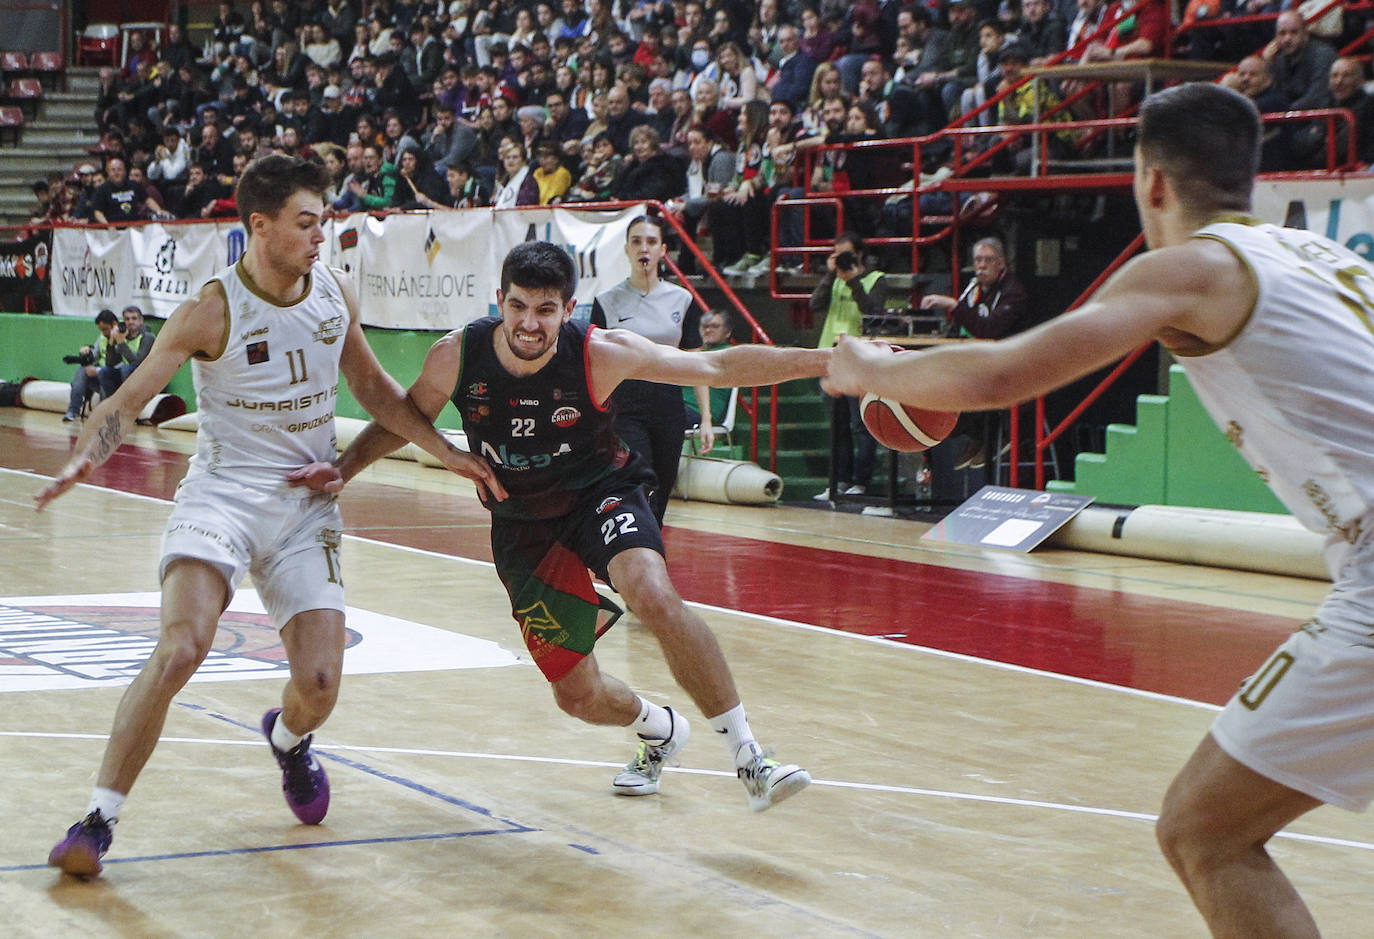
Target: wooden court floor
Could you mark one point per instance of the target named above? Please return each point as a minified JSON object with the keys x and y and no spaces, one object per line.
{"x":990,"y":734}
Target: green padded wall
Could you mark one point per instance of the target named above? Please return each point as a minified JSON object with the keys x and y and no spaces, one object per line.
{"x":1174,"y":455}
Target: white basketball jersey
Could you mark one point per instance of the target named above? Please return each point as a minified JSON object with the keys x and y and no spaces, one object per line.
{"x":1294,"y":388}
{"x":266,"y":405}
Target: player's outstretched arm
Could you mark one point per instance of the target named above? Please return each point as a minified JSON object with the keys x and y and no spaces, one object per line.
{"x":401,"y":415}
{"x":1197,"y":293}
{"x":618,"y":355}
{"x":197,"y":326}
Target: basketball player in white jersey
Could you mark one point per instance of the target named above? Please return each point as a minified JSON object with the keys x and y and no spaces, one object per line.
{"x":1275,"y":329}
{"x":267,"y":339}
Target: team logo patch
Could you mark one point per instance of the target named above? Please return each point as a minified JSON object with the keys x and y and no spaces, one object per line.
{"x":257,"y":352}
{"x":607,"y":504}
{"x":330,"y":331}
{"x":477,"y":388}
{"x":348,"y":238}
{"x":102,"y":640}
{"x":566,"y":416}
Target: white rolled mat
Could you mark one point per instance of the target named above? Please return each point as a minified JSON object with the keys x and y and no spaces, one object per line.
{"x":54,"y":396}
{"x":1249,"y":541}
{"x":732,"y":482}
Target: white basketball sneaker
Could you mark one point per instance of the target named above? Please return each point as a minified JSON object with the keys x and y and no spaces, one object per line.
{"x":768,"y":782}
{"x":640,"y":775}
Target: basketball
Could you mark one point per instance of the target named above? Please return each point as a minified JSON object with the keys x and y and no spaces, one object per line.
{"x":900,"y":427}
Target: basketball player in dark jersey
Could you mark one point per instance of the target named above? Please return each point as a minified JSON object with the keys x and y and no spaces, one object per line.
{"x":534,"y":391}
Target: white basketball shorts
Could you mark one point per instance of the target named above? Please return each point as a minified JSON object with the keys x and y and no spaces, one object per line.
{"x":289,"y":542}
{"x":1306,"y":718}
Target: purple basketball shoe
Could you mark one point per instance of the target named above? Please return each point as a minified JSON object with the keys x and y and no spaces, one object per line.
{"x":303,"y":779}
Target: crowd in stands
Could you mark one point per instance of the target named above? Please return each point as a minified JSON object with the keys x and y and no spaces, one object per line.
{"x":707,"y":105}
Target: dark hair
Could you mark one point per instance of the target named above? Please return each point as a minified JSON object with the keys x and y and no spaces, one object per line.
{"x":653,"y":220}
{"x":269,"y":182}
{"x":106,"y":316}
{"x":854,"y":238}
{"x":539,"y":265}
{"x":1205,"y":138}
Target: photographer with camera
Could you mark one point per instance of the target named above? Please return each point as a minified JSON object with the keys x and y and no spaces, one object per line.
{"x":87,"y":361}
{"x":847,"y":293}
{"x":130,"y":344}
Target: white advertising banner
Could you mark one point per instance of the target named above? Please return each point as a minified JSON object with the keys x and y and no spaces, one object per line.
{"x":1340,"y":209}
{"x":430,"y":271}
{"x":156,"y":267}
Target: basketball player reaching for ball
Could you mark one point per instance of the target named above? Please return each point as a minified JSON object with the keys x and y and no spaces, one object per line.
{"x":267,"y":339}
{"x":1273,"y":327}
{"x":534,"y":390}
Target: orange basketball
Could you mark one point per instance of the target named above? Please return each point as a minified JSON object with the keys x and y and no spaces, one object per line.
{"x":901,"y":427}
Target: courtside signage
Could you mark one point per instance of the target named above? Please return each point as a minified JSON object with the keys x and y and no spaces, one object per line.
{"x":999,"y":517}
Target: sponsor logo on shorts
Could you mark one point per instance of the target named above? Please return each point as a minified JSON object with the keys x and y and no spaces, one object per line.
{"x":566,"y":416}
{"x":607,"y":504}
{"x":537,"y":618}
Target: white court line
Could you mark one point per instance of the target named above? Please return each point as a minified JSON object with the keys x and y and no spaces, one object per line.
{"x":762,"y":618}
{"x":598,"y":764}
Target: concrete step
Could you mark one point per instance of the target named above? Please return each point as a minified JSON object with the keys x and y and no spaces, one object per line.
{"x":30,"y":164}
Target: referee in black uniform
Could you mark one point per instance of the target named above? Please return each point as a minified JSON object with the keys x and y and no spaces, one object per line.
{"x":650,"y":417}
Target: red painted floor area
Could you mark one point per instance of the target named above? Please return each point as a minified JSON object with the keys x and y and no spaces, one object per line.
{"x":1172,"y":647}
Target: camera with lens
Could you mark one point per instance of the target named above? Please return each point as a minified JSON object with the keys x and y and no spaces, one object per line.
{"x":85,"y":357}
{"x":846,"y":261}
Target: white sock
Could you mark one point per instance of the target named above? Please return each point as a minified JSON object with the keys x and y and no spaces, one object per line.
{"x":107,"y":802}
{"x":282,"y":738}
{"x":653,"y":723}
{"x":739,"y":739}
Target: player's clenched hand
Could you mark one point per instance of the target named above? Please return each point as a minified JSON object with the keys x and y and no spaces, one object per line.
{"x":853,"y":360}
{"x":479,"y":471}
{"x":321,"y":477}
{"x":74,"y":472}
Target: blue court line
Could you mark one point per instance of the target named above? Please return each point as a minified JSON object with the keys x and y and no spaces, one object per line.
{"x":379,"y":774}
{"x":263,"y":849}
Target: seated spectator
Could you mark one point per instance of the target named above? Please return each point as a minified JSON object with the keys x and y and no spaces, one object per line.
{"x":376,"y":192}
{"x":707,"y":110}
{"x":153,"y":199}
{"x":600,"y":167}
{"x":993,"y":305}
{"x":621,"y":119}
{"x":992,"y":36}
{"x":449,"y":142}
{"x":466,"y":189}
{"x":739,"y":218}
{"x":517,"y":182}
{"x":417,"y":186}
{"x":1140,"y":29}
{"x":1025,"y":104}
{"x":566,"y":124}
{"x":1254,"y":79}
{"x":551,"y":175}
{"x":129,"y":344}
{"x":1345,"y":89}
{"x":530,"y":120}
{"x":117,"y":200}
{"x":710,"y":170}
{"x":648,"y":172}
{"x":660,"y":110}
{"x":816,"y":40}
{"x":171,"y":162}
{"x":675,"y":142}
{"x":1041,"y":32}
{"x":347,"y":199}
{"x":86,"y":379}
{"x":1301,"y":62}
{"x":716,"y":333}
{"x":939,"y":84}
